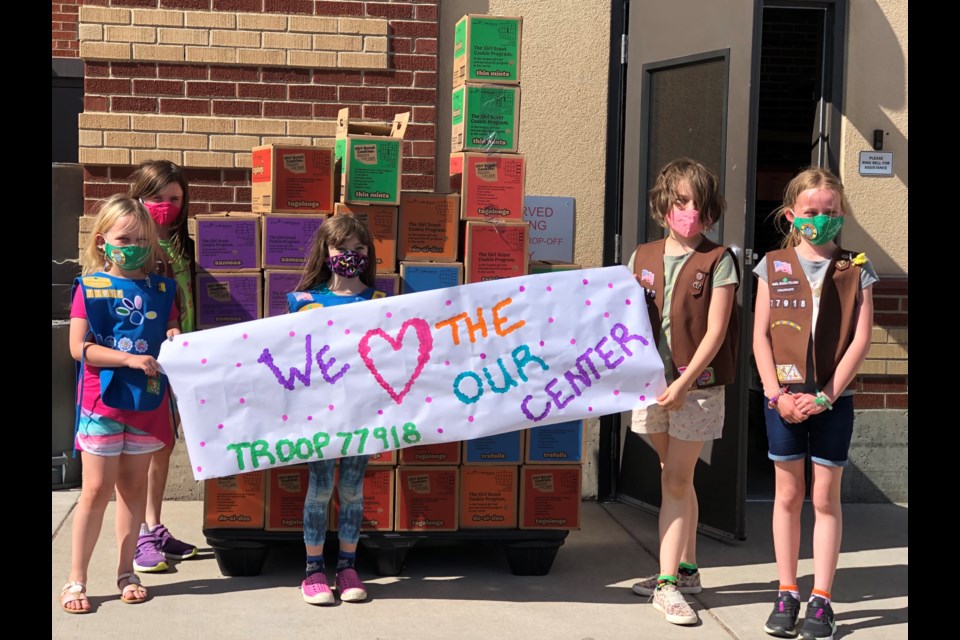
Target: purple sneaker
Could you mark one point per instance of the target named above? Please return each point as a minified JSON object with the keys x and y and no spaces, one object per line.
{"x":148,"y":557}
{"x":315,"y":589}
{"x":172,"y":548}
{"x":349,"y":586}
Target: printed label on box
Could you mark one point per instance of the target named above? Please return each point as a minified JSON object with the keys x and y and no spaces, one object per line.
{"x":234,"y":501}
{"x":295,"y":163}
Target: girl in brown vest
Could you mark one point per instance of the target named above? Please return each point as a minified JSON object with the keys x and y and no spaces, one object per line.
{"x":690,"y":285}
{"x":814,"y":314}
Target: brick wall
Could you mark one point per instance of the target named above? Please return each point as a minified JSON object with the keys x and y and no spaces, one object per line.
{"x":379,"y":58}
{"x":882,"y":383}
{"x":64,"y":16}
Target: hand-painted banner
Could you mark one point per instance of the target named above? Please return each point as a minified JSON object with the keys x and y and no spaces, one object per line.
{"x":424,"y":368}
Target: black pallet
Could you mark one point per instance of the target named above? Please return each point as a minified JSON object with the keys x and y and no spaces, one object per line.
{"x":242,"y":552}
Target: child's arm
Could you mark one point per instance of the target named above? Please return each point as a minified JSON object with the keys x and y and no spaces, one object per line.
{"x":763,"y":354}
{"x":718,"y":317}
{"x":100,"y":356}
{"x":852,"y":358}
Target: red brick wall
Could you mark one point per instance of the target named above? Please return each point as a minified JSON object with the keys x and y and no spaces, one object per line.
{"x":890,"y":312}
{"x":65,"y":38}
{"x":276,"y":92}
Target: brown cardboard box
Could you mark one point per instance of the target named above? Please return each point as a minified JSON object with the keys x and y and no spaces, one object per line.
{"x":487,"y":49}
{"x":228,"y":241}
{"x":427,"y":498}
{"x":444,"y":453}
{"x":494,"y":251}
{"x":277,"y":283}
{"x":378,"y":497}
{"x":488,"y":497}
{"x":550,"y":497}
{"x":224,"y":298}
{"x":491,"y":185}
{"x":549,"y":266}
{"x":485,"y":117}
{"x":371,"y":159}
{"x":428,"y":227}
{"x":235,"y":502}
{"x":427,"y":276}
{"x":382,"y":223}
{"x":286,"y":489}
{"x":288,"y":239}
{"x":291,"y":179}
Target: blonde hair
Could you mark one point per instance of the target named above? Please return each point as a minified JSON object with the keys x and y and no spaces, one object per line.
{"x":110,"y":211}
{"x":332,"y":232}
{"x":809,"y":178}
{"x":704,"y":187}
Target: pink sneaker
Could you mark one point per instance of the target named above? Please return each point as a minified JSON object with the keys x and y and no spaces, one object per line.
{"x":349,"y":586}
{"x":315,"y":589}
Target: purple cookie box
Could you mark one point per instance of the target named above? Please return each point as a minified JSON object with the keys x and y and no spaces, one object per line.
{"x":228,"y":244}
{"x":277,"y":285}
{"x":287,"y":240}
{"x":228,"y":298}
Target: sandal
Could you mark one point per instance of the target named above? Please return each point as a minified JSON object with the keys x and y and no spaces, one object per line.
{"x":74,"y":591}
{"x":133,"y":584}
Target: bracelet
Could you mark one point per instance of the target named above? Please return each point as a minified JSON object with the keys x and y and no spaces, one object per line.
{"x":772,"y":402}
{"x":823,"y":401}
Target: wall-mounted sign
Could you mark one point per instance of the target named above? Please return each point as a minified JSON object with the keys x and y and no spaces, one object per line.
{"x":876,"y":163}
{"x":551,"y":227}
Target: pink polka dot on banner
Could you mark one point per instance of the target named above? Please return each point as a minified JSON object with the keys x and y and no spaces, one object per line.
{"x":239,"y":365}
{"x":628,"y":301}
{"x":573,"y":341}
{"x":330,"y":407}
{"x":616,"y":392}
{"x":379,"y":412}
{"x":439,"y":429}
{"x":245,"y":336}
{"x":185,"y":343}
{"x":429,"y":399}
{"x":589,"y":408}
{"x":483,"y":356}
{"x":203,"y":361}
{"x":609,"y":285}
{"x":550,"y":320}
{"x":203,"y":401}
{"x":203,"y":444}
{"x":446,"y":362}
{"x":584,"y":281}
{"x":606,"y":314}
{"x":329,"y":323}
{"x":522,"y":288}
{"x":346,"y":331}
{"x":642,"y":398}
{"x":309,"y":418}
{"x":242,"y":400}
{"x":220,"y":426}
{"x":646,"y":385}
{"x":549,"y":288}
{"x":470,"y":419}
{"x":199,"y":469}
{"x":448,"y":302}
{"x":541,"y":343}
{"x":389,"y":315}
{"x":588,"y":303}
{"x":284,"y":418}
{"x":293,"y":333}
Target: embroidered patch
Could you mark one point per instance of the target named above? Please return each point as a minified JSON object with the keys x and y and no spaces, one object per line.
{"x":313,"y":305}
{"x":153,"y":386}
{"x":379,"y":294}
{"x":788,"y":373}
{"x":780,"y":266}
{"x":785,"y":323}
{"x":700,"y":275}
{"x":784,"y":286}
{"x":646,"y":276}
{"x":707,"y":378}
{"x":808,"y":231}
{"x":162,"y":286}
{"x":300,"y":295}
{"x":842,"y":264}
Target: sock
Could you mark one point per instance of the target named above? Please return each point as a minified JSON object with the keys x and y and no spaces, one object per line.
{"x":688,"y":568}
{"x":315,"y":565}
{"x":665,"y":579}
{"x":792,"y":589}
{"x":820,"y":593}
{"x":145,"y":530}
{"x":346,"y":560}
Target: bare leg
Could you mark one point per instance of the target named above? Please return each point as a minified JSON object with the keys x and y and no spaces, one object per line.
{"x":676,"y":488}
{"x":828,"y":526}
{"x":788,"y":502}
{"x":157,"y":484}
{"x":131,"y":504}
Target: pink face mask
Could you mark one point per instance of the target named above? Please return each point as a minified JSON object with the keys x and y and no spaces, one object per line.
{"x":686,"y":223}
{"x":163,"y":213}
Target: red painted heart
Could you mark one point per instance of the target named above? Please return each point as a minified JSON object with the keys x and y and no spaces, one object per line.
{"x":425,"y":339}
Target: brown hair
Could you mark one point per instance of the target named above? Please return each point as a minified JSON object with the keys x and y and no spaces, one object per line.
{"x":704,"y":187}
{"x":109,"y":212}
{"x":809,"y":178}
{"x":332,"y":232}
{"x":151,"y":177}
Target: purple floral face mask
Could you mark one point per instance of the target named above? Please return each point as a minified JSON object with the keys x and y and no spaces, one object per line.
{"x":348,"y":264}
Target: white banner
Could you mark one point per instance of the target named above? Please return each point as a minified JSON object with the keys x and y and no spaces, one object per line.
{"x":424,"y":368}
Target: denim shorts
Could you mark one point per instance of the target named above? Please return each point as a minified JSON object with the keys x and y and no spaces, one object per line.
{"x":826,"y":436}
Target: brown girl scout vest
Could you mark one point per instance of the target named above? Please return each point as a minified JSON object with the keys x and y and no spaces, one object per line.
{"x":791,"y":313}
{"x":691,"y":303}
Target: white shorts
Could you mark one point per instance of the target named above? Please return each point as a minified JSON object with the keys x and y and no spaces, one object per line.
{"x":699,"y":419}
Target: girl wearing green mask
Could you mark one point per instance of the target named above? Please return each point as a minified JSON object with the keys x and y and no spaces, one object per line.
{"x":162,"y":188}
{"x":812,"y":325}
{"x":121,"y":315}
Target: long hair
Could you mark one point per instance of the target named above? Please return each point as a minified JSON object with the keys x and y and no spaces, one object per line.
{"x":331,"y":233}
{"x":110,"y":211}
{"x":151,"y":177}
{"x":704,"y":187}
{"x":809,"y":178}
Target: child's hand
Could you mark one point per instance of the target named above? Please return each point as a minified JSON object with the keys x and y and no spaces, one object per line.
{"x":807,"y":404}
{"x":788,"y":410}
{"x":172,"y":332}
{"x":147,"y":364}
{"x":674,"y":397}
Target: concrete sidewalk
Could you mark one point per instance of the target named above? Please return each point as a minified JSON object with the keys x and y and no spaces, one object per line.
{"x":468,"y":592}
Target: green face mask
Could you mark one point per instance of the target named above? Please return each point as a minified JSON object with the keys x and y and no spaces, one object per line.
{"x":127,"y":258}
{"x":818,"y":229}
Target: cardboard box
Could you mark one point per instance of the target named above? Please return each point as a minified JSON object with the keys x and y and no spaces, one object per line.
{"x":288,"y":238}
{"x":485,"y":117}
{"x":276,"y":285}
{"x":378,"y":496}
{"x":388,"y":283}
{"x":286,"y":490}
{"x":487,"y":49}
{"x":552,"y":227}
{"x":427,"y":498}
{"x":428,"y":228}
{"x":427,"y":276}
{"x":431,"y":454}
{"x":227,"y":298}
{"x":382,"y":223}
{"x":505,"y":448}
{"x":383,"y":459}
{"x":548,"y":266}
{"x":228,"y":241}
{"x":490,"y":185}
{"x":488,"y":497}
{"x":192,"y":227}
{"x":550,"y":497}
{"x":291,"y":179}
{"x":494,"y":251}
{"x":559,"y":443}
{"x":371,"y":157}
{"x":235,"y":502}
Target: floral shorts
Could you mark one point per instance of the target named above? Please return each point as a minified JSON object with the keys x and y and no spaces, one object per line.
{"x":699,"y":419}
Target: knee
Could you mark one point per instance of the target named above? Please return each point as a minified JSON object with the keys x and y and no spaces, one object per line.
{"x":825,"y":500}
{"x":790,"y":496}
{"x":96,"y":493}
{"x":675,"y":485}
{"x":350,"y":494}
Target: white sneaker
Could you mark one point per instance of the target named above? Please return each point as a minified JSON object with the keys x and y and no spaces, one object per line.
{"x":668,"y":600}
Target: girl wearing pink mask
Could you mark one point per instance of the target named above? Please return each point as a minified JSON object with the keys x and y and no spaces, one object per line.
{"x":162,"y":187}
{"x":690,"y":284}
